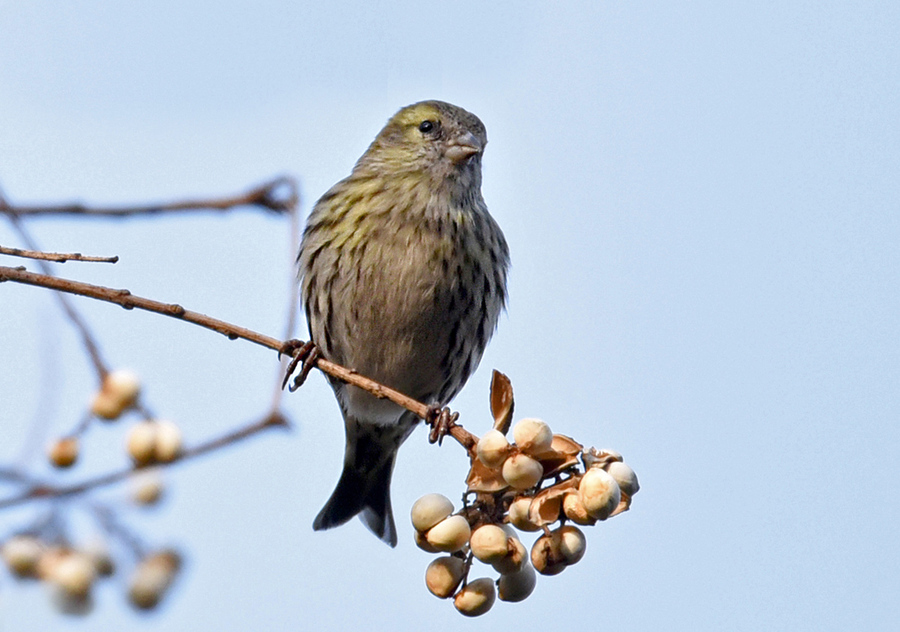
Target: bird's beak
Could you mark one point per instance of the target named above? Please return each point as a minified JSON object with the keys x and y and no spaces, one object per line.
{"x":463,"y":146}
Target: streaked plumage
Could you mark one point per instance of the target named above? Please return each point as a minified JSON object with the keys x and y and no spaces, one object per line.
{"x":403,"y":276}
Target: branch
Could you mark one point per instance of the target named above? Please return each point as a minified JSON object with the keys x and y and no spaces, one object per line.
{"x":40,"y":490}
{"x":278,"y":196}
{"x":126,"y":299}
{"x":55,"y":257}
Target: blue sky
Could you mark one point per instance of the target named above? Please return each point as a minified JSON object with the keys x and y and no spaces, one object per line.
{"x":701,"y":203}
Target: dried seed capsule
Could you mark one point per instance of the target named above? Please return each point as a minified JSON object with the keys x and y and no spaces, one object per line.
{"x":547,"y":556}
{"x":449,"y":535}
{"x":142,"y":442}
{"x":489,"y":543}
{"x":517,"y":586}
{"x":429,"y":510}
{"x":443,"y":575}
{"x":520,"y":471}
{"x":476,"y":598}
{"x":572,"y":543}
{"x":532,"y":436}
{"x":519,"y":514}
{"x":152,"y":576}
{"x":63,"y":452}
{"x":74,"y":574}
{"x":492,"y":448}
{"x":514,"y":560}
{"x":119,"y":391}
{"x":599,"y":493}
{"x":575,"y":509}
{"x":625,"y":477}
{"x":22,"y":554}
{"x":167,"y":443}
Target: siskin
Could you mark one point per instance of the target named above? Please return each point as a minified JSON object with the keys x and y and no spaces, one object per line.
{"x":403,"y":278}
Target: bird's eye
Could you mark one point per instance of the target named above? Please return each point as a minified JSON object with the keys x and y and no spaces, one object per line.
{"x":426,"y":126}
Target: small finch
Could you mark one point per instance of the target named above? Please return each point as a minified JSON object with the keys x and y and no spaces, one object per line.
{"x":403,"y":278}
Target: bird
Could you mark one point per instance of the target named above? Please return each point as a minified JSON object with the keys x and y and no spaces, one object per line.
{"x":403,"y":277}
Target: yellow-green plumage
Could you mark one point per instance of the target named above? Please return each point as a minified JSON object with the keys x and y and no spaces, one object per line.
{"x":403,"y":279}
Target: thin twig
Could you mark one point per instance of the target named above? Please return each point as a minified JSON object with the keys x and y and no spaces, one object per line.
{"x":128,"y":300}
{"x":87,"y":337}
{"x":277,"y":196}
{"x":41,"y":490}
{"x":55,"y":257}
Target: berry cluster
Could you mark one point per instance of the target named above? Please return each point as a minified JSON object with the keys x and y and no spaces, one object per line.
{"x":541,"y":482}
{"x":45,"y":552}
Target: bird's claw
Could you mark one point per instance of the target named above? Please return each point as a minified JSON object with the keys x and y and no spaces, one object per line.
{"x":304,"y":354}
{"x":441,"y":421}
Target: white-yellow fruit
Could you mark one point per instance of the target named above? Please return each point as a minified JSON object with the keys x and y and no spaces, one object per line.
{"x":517,"y":586}
{"x":141,"y":442}
{"x":572,"y":543}
{"x":119,"y":391}
{"x":599,"y":493}
{"x":63,"y":452}
{"x":476,"y":598}
{"x":522,"y":472}
{"x":515,"y":559}
{"x":489,"y":543}
{"x":429,"y":510}
{"x":547,"y":556}
{"x":74,"y":574}
{"x":532,"y":436}
{"x":575,"y":509}
{"x":443,"y":575}
{"x":147,"y":490}
{"x":625,"y":477}
{"x":22,"y":554}
{"x":492,"y":449}
{"x":167,"y":443}
{"x":449,"y":535}
{"x":518,"y":514}
{"x":152,"y":576}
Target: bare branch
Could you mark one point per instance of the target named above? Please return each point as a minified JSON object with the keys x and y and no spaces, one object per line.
{"x":55,"y":257}
{"x":126,"y":299}
{"x":278,"y":196}
{"x":38,"y":490}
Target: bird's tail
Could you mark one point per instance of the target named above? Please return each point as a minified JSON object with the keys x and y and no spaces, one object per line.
{"x":364,"y":488}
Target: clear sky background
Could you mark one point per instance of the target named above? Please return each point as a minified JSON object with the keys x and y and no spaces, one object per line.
{"x":701,"y":201}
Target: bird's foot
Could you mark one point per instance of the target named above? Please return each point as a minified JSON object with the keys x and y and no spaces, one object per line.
{"x":441,"y":421}
{"x":305,"y":354}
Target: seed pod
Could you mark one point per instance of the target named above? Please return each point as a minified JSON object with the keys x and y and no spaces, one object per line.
{"x":599,"y":493}
{"x":522,"y":472}
{"x":450,"y":534}
{"x":492,"y":449}
{"x":489,"y":543}
{"x":519,"y":515}
{"x":142,"y":442}
{"x":74,"y":574}
{"x":119,"y":391}
{"x":517,"y":586}
{"x":575,"y":509}
{"x":152,"y":577}
{"x":443,"y":575}
{"x":167,"y":443}
{"x":63,"y":452}
{"x":572,"y":543}
{"x":532,"y":436}
{"x":148,"y":489}
{"x":22,"y":554}
{"x":429,"y":510}
{"x":476,"y":598}
{"x":513,"y":561}
{"x":547,"y":556}
{"x":625,"y":477}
